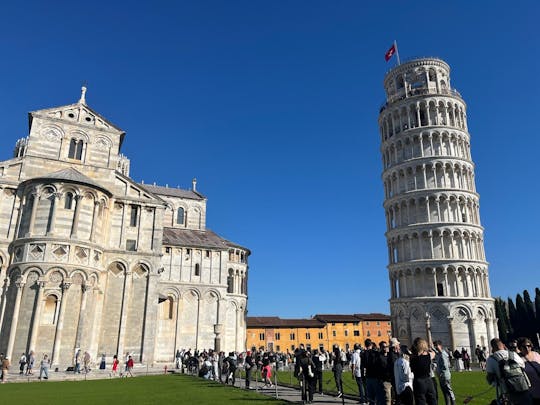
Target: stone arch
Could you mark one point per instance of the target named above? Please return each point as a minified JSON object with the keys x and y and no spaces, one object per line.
{"x":28,"y":270}
{"x":117,"y":266}
{"x":56,"y":274}
{"x":78,"y":134}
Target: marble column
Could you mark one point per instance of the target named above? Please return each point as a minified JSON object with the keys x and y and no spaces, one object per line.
{"x":123,"y":312}
{"x":37,"y":315}
{"x":59,"y":326}
{"x":451,"y":332}
{"x":82,"y":315}
{"x":54,"y":203}
{"x":15,"y":320}
{"x":94,"y":222}
{"x":75,"y":225}
{"x":35,"y":202}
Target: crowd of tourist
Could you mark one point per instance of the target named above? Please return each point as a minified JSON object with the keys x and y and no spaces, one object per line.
{"x":385,"y":374}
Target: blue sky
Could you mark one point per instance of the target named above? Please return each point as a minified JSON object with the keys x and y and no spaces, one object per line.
{"x":273,"y":106}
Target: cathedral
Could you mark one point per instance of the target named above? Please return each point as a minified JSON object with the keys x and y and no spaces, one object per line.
{"x":92,"y":260}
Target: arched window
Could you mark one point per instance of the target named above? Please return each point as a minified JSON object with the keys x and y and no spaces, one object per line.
{"x":180,"y":216}
{"x":49,"y":310}
{"x":166,"y":308}
{"x":170,"y":302}
{"x":230,"y":282}
{"x":197,"y":269}
{"x":68,"y":203}
{"x":75,"y":149}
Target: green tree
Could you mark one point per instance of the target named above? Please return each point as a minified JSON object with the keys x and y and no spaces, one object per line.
{"x":530,"y":324}
{"x":537,"y":309}
{"x":521,"y":328}
{"x":513,"y":316}
{"x":503,"y":323}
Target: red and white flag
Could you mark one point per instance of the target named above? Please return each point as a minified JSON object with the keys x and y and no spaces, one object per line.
{"x":389,"y":53}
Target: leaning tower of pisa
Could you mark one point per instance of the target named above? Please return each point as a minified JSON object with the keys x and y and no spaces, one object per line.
{"x":437,"y":267}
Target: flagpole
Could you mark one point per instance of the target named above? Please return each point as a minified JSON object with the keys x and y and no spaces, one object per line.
{"x":397,"y":52}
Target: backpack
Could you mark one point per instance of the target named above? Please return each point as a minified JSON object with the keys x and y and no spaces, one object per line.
{"x":513,"y":376}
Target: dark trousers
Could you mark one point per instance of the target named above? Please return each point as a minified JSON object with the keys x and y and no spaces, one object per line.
{"x":338,"y":370}
{"x":248,"y":376}
{"x":448,"y":394}
{"x":373,"y":390}
{"x":308,"y":387}
{"x":318,"y":380}
{"x":361,"y":389}
{"x":406,"y":397}
{"x":424,"y":391}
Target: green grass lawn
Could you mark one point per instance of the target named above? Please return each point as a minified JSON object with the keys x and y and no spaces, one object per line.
{"x":465,"y":384}
{"x":164,"y":389}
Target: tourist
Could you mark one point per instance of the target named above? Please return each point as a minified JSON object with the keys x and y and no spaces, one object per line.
{"x":114,"y":370}
{"x":356,"y":368}
{"x":423,"y":389}
{"x":371,"y":372}
{"x":403,"y":377}
{"x":231,"y":369}
{"x":337,"y":368}
{"x":458,"y":361}
{"x":318,"y":359}
{"x":103,"y":362}
{"x":129,"y":366}
{"x":443,"y":369}
{"x":385,"y":365}
{"x":44,"y":367}
{"x":532,"y":367}
{"x":77,"y":361}
{"x":86,"y":362}
{"x":267,"y":373}
{"x":500,"y":359}
{"x":31,"y":361}
{"x":466,"y":359}
{"x":306,"y":375}
{"x":249,"y":365}
{"x":22,"y":364}
{"x":5,"y":367}
{"x":178,"y":359}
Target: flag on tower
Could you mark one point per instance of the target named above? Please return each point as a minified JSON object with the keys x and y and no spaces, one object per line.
{"x":389,"y":53}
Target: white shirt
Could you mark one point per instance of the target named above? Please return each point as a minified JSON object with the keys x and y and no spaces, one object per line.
{"x":403,"y":375}
{"x":356,"y":364}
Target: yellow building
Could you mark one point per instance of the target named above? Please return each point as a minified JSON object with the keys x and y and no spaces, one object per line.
{"x":321,"y":331}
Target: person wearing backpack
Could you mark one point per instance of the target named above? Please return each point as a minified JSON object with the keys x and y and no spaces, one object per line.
{"x":505,"y":371}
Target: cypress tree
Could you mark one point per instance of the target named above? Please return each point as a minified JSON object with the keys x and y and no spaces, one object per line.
{"x":513,"y":316}
{"x":521,"y":327}
{"x":502,"y":319}
{"x":530,"y":326}
{"x":537,"y":310}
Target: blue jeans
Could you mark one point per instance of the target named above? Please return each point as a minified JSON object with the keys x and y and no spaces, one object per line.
{"x":44,"y":372}
{"x":373,"y":390}
{"x":361,"y":389}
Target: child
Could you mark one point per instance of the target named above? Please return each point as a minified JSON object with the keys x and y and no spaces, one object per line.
{"x":267,"y":375}
{"x":115,"y":366}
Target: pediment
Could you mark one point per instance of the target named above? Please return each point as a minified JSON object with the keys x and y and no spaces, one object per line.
{"x":79,"y":114}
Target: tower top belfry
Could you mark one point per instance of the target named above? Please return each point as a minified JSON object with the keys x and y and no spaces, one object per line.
{"x":437,"y":266}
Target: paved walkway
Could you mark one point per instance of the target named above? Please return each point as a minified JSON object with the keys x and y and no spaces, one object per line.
{"x":294,"y":395}
{"x":284,"y":393}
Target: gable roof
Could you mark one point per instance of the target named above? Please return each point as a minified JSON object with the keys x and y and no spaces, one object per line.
{"x":71,"y":175}
{"x":275,"y":321}
{"x":336,"y":318}
{"x":197,"y":238}
{"x":173,"y":192}
{"x":62,"y":113}
{"x":193,"y":238}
